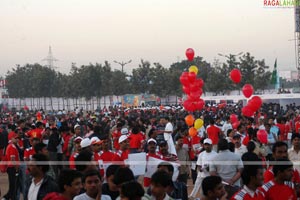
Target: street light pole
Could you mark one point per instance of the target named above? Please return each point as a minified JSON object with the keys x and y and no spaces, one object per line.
{"x":122,"y":64}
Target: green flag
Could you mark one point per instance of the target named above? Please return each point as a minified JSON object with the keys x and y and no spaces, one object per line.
{"x":274,"y":74}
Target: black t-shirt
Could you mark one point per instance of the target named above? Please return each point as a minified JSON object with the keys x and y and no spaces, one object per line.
{"x":106,"y":191}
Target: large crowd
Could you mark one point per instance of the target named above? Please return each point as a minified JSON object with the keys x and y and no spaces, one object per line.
{"x":85,"y":155}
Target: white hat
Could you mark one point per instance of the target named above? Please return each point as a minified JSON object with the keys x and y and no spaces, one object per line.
{"x":95,"y":140}
{"x":122,"y":138}
{"x":85,"y":142}
{"x":207,"y":141}
{"x":76,"y":126}
{"x":78,"y":138}
{"x":124,"y":131}
{"x":151,"y":140}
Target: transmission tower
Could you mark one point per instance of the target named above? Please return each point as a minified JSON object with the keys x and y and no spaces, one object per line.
{"x":50,"y":59}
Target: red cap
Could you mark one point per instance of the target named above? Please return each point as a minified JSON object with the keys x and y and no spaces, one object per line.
{"x":12,"y":135}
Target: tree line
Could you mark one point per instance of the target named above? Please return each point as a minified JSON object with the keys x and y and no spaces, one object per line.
{"x":97,"y":80}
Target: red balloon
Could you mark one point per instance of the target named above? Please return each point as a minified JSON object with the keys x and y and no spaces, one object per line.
{"x":184,"y":78}
{"x":195,"y":95}
{"x":235,"y":124}
{"x":262,"y":136}
{"x":255,"y":103}
{"x":235,"y":75}
{"x":193,"y":87}
{"x":186,"y":89}
{"x":247,"y":90}
{"x":247,"y":111}
{"x":192,"y":77}
{"x":199,"y":104}
{"x":199,"y":82}
{"x":189,"y":105}
{"x":190,"y":54}
{"x":233,"y":118}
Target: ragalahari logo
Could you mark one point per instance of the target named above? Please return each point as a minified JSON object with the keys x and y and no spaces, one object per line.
{"x":281,"y":3}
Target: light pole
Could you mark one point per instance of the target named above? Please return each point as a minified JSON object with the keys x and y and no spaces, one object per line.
{"x":122,"y":64}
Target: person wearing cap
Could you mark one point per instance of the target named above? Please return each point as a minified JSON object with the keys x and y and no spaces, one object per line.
{"x":239,"y":148}
{"x":73,"y":156}
{"x":151,"y":153}
{"x":203,"y":162}
{"x":122,"y":153}
{"x":96,"y":146}
{"x":86,"y":145}
{"x":77,"y":132}
{"x":164,"y":153}
{"x":13,"y":158}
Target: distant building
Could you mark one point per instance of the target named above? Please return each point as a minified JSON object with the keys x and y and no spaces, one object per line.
{"x":289,"y":75}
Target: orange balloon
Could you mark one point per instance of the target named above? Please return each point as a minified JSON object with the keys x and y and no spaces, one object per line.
{"x":192,"y":132}
{"x":189,"y":120}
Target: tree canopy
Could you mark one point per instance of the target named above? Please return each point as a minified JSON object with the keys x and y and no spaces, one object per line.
{"x":97,"y":80}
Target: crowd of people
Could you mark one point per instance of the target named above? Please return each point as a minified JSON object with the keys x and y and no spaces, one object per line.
{"x":84,"y":155}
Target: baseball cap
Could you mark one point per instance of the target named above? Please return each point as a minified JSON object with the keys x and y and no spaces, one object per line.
{"x":12,"y":135}
{"x":124,"y":131}
{"x":76,"y":126}
{"x":207,"y":141}
{"x":151,"y":140}
{"x":122,"y":138}
{"x":78,"y":139}
{"x":95,"y":140}
{"x":85,"y":142}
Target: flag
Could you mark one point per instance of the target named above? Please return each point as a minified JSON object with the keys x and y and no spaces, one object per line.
{"x":274,"y":74}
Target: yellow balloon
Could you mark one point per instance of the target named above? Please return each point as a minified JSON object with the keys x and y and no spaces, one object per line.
{"x":194,"y":69}
{"x":198,"y":123}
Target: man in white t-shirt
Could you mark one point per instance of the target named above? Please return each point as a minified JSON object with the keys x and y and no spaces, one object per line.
{"x":239,"y":148}
{"x":93,"y":186}
{"x":226,"y":126}
{"x":203,"y":161}
{"x":168,"y":134}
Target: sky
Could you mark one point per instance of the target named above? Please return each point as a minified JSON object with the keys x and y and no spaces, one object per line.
{"x":90,"y":31}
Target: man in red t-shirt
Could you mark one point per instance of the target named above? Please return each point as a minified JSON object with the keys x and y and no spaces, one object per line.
{"x":30,"y":151}
{"x":281,"y":186}
{"x":280,"y":152}
{"x":253,"y":178}
{"x":36,"y":132}
{"x":12,"y":157}
{"x":213,"y":133}
{"x":73,"y":156}
{"x":297,"y":127}
{"x":116,"y":135}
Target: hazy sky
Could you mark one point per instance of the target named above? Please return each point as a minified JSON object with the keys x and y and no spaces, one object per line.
{"x":84,"y":31}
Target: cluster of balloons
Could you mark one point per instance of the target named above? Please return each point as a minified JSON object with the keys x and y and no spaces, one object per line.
{"x":192,"y":86}
{"x":252,"y":106}
{"x":255,"y":102}
{"x":193,"y":124}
